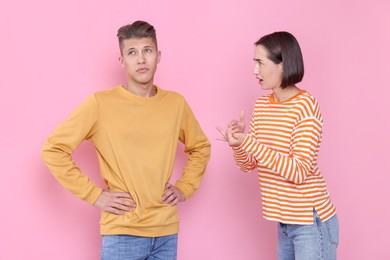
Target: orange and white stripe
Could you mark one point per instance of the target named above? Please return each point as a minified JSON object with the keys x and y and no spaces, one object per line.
{"x":283,"y":144}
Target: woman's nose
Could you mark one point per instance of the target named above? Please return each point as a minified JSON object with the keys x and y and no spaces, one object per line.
{"x":256,"y":69}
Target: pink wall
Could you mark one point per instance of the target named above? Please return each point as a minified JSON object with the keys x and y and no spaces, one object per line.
{"x":53,"y":54}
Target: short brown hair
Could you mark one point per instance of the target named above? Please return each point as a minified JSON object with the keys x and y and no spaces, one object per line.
{"x":283,"y":47}
{"x":138,"y":29}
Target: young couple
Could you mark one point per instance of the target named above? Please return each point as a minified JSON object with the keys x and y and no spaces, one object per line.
{"x":135,"y":128}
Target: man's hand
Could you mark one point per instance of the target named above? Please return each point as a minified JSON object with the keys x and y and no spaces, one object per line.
{"x":172,"y":195}
{"x":115,"y":202}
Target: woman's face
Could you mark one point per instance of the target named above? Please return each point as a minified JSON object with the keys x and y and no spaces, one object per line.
{"x":267,"y":72}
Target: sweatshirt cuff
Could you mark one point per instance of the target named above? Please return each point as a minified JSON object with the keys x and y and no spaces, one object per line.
{"x":186,"y":191}
{"x":93,"y":195}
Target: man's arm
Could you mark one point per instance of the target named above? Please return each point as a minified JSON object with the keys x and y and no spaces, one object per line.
{"x":197,"y":146}
{"x":57,"y":155}
{"x":58,"y":148}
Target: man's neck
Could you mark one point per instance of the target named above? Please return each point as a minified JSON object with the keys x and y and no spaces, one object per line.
{"x":142,"y":90}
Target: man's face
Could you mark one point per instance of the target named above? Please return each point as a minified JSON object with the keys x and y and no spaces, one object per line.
{"x":140,"y":58}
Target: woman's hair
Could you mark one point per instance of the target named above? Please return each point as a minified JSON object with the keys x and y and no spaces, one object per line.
{"x":282,"y":47}
{"x":138,"y":29}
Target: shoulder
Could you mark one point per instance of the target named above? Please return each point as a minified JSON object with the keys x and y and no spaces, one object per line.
{"x":306,"y":97}
{"x":107,"y":92}
{"x":309,"y":105}
{"x":308,"y":100}
{"x":169,"y":93}
{"x":172,"y":96}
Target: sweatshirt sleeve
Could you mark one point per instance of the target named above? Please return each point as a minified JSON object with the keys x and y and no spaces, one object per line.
{"x":197,"y":146}
{"x":298,"y":164}
{"x":58,"y":148}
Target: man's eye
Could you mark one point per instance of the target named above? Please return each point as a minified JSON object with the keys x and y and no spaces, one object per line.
{"x":131,"y":52}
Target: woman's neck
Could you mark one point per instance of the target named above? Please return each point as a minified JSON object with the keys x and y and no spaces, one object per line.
{"x":283,"y":94}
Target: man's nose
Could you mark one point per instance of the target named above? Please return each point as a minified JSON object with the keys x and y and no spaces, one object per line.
{"x":141,"y":59}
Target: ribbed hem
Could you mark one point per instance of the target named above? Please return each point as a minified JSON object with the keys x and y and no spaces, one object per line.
{"x":140,"y":231}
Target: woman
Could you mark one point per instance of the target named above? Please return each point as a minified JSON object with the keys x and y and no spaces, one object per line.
{"x":282,"y":143}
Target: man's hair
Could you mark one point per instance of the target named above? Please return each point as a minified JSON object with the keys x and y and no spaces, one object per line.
{"x":138,"y":29}
{"x":283,"y":47}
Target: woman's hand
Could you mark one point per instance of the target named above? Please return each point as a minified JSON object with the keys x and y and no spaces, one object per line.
{"x":234,"y":134}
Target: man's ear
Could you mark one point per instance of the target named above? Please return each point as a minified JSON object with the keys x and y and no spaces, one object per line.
{"x":159,"y":57}
{"x":120,"y":59}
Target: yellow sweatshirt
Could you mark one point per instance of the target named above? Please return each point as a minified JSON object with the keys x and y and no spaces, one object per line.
{"x":136,"y":140}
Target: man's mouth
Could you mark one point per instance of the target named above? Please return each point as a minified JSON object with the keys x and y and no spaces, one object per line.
{"x":142,"y":70}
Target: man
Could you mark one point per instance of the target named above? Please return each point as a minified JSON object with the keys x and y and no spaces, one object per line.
{"x":135,"y":128}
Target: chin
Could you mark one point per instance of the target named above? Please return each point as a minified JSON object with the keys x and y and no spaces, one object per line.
{"x":144,"y":81}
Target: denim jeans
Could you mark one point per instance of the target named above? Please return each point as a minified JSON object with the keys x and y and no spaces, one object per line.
{"x":309,"y":242}
{"x":126,"y":247}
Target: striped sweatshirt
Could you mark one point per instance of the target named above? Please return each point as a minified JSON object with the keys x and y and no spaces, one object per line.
{"x":283,"y":144}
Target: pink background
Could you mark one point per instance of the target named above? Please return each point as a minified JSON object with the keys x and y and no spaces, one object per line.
{"x":54,"y":54}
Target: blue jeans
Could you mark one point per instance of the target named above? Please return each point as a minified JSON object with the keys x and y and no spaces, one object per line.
{"x":309,"y":242}
{"x":126,"y":247}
